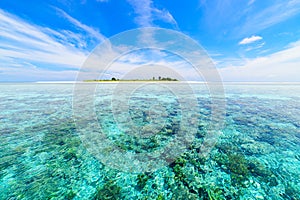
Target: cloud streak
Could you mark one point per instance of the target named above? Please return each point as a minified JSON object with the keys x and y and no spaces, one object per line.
{"x":274,"y":14}
{"x":251,"y":2}
{"x":147,"y":13}
{"x":92,"y":32}
{"x":249,"y":40}
{"x":31,"y":48}
{"x":22,"y":40}
{"x":279,"y":66}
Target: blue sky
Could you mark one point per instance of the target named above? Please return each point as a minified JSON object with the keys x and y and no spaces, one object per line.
{"x":248,"y":40}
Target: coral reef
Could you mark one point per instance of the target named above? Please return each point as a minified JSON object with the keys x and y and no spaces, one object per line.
{"x":256,"y":157}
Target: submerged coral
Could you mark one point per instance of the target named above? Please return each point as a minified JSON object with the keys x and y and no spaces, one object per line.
{"x":256,"y":157}
{"x":108,"y":191}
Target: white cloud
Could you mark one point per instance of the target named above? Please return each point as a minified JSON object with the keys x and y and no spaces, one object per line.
{"x":271,"y":15}
{"x":251,"y":2}
{"x":22,"y":40}
{"x":24,"y":45}
{"x":251,"y":39}
{"x":279,"y":66}
{"x":177,"y":69}
{"x":143,"y":9}
{"x":147,"y":13}
{"x":126,"y":64}
{"x":94,"y":33}
{"x":165,"y":16}
{"x":256,"y":47}
{"x":35,"y":74}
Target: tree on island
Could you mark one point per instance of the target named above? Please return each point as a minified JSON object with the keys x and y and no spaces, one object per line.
{"x":168,"y":79}
{"x":113,"y":79}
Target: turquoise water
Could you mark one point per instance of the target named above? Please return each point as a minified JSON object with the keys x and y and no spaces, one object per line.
{"x":257,"y":155}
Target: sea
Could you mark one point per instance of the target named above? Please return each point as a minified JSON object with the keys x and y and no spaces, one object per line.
{"x":152,"y":141}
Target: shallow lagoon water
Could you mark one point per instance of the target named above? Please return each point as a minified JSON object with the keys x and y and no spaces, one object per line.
{"x":257,"y":156}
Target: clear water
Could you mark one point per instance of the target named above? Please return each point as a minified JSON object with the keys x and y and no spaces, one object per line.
{"x":257,"y":156}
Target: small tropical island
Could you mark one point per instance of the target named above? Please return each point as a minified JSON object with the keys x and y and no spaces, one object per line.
{"x":130,"y":80}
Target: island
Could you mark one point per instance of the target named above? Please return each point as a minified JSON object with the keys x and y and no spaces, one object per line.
{"x":129,"y":80}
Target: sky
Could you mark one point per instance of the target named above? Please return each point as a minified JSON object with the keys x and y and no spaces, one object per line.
{"x":247,"y":40}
